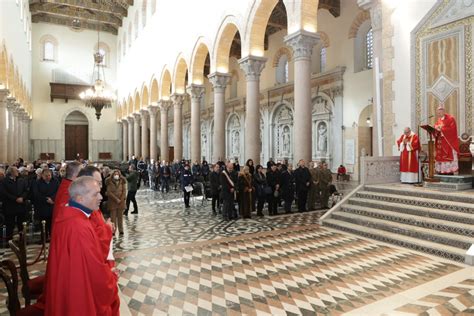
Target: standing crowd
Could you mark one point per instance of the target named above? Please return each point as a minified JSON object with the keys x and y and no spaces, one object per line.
{"x":241,"y":190}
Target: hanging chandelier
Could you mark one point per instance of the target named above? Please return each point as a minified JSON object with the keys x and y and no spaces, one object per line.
{"x":98,"y":97}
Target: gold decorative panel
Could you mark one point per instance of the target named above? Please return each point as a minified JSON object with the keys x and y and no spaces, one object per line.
{"x":442,"y":62}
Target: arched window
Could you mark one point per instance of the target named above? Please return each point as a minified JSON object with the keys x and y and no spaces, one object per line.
{"x":282,"y":70}
{"x":130,"y":33}
{"x":363,"y":47}
{"x":322,"y":59}
{"x":153,"y":7}
{"x":135,"y":24}
{"x":144,"y":12}
{"x":104,"y":50}
{"x":369,"y":46}
{"x":49,"y":48}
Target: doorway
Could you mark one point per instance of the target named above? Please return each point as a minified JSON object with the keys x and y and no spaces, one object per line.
{"x":76,"y":136}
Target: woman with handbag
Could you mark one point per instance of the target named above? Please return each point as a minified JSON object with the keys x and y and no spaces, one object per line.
{"x":117,"y":194}
{"x":246,"y":192}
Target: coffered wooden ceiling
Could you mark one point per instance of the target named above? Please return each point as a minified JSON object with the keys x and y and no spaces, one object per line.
{"x":105,"y":15}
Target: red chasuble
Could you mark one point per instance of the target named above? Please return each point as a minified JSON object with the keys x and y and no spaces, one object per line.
{"x":103,"y":231}
{"x":447,"y":145}
{"x":408,"y":153}
{"x":79,"y":280}
{"x":62,"y":197}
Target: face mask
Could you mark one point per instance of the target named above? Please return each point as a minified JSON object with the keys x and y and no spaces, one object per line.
{"x":116,"y":177}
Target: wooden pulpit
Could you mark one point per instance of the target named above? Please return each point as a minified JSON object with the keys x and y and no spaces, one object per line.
{"x":431,"y":153}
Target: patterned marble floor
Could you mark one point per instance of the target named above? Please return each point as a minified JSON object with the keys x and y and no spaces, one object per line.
{"x":188,"y":262}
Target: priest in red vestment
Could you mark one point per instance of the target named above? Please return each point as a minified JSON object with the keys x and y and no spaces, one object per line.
{"x":409,"y":146}
{"x":447,"y":143}
{"x":62,"y":196}
{"x":80,"y":282}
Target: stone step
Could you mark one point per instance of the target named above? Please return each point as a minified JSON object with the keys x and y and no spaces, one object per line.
{"x":409,"y":206}
{"x":464,"y":197}
{"x":463,"y":229}
{"x":433,"y":248}
{"x":448,"y":186}
{"x":450,"y":239}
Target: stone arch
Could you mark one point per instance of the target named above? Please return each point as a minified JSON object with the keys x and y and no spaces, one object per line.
{"x":259,"y":15}
{"x":165,"y":84}
{"x":3,"y":66}
{"x":180,"y":70}
{"x":154,"y":90}
{"x":357,"y":22}
{"x":11,"y":76}
{"x":136,"y":106}
{"x":198,"y":59}
{"x":89,"y":124}
{"x":130,"y":34}
{"x":145,"y":98}
{"x":135,"y":25}
{"x":303,"y":15}
{"x":144,"y":13}
{"x":225,"y":35}
{"x":130,"y":105}
{"x":323,"y":36}
{"x":282,"y":51}
{"x":124,"y":50}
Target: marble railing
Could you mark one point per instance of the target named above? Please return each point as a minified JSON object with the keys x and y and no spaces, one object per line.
{"x":378,"y":170}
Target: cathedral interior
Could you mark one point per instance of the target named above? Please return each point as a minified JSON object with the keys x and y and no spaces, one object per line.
{"x":347,"y":84}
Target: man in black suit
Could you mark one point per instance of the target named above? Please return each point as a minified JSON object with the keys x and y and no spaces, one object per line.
{"x":15,"y":192}
{"x":228,"y":181}
{"x":303,"y":182}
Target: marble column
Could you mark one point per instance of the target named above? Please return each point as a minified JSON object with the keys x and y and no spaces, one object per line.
{"x":24,"y":136}
{"x":153,"y":110}
{"x":3,"y":131}
{"x":125,"y":140}
{"x":130,"y":137}
{"x":28,"y":138}
{"x":11,"y":129}
{"x":219,"y":82}
{"x":252,"y":67}
{"x":196,"y":92}
{"x":145,"y":141}
{"x":302,"y":43}
{"x":375,"y":9}
{"x":164,"y":107}
{"x":136,"y":135}
{"x":178,"y":100}
{"x":17,"y":131}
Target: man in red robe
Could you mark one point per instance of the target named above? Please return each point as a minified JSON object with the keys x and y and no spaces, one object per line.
{"x":103,"y":229}
{"x":82,"y":283}
{"x":409,"y":145}
{"x":447,"y":143}
{"x":62,"y":196}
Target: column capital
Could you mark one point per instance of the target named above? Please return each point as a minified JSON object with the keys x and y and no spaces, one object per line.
{"x":130,"y":119}
{"x":177,"y":99}
{"x":153,"y":110}
{"x":124,"y":120}
{"x":165,"y":105}
{"x":252,"y":67}
{"x":195,"y":90}
{"x":136,"y":117}
{"x":144,"y":114}
{"x":302,"y":43}
{"x":4,"y":93}
{"x":11,"y":103}
{"x":219,"y":80}
{"x":375,"y":9}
